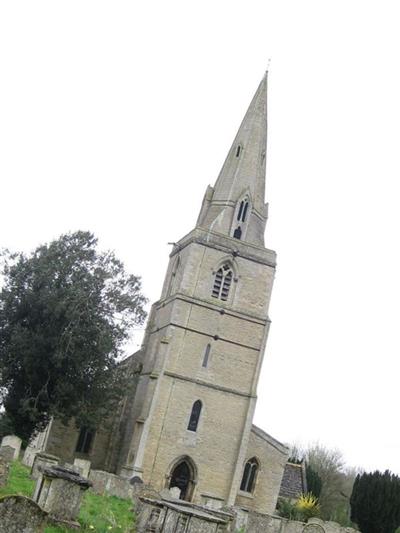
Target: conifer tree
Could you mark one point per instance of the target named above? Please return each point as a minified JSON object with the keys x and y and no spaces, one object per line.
{"x":375,"y":502}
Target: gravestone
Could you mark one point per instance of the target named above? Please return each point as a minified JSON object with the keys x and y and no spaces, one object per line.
{"x":42,"y":460}
{"x":83,"y":467}
{"x":59,"y":492}
{"x":29,"y":456}
{"x":313,"y":528}
{"x":175,"y":492}
{"x":14,"y":442}
{"x":21,"y":515}
{"x":7,"y":453}
{"x":4,"y":472}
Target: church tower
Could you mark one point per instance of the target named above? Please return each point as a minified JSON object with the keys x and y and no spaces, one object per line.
{"x":190,"y":422}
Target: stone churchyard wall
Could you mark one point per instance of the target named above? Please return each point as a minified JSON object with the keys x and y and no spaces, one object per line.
{"x":252,"y":522}
{"x":110,"y":484}
{"x":167,"y":515}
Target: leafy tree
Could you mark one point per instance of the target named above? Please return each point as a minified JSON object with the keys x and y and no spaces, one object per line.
{"x":6,"y":427}
{"x":65,"y":313}
{"x":328,"y":479}
{"x":375,"y":502}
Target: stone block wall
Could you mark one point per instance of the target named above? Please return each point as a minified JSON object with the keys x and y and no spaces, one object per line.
{"x":252,"y":522}
{"x":271,"y":456}
{"x":111,"y":484}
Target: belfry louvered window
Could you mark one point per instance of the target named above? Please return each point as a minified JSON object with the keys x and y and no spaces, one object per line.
{"x":222,"y":282}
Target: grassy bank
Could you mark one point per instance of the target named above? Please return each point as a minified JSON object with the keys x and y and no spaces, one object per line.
{"x":99,"y":514}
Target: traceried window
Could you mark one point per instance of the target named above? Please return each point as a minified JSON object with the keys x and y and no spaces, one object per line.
{"x":222,"y":282}
{"x":85,"y":440}
{"x":195,"y":416}
{"x":249,"y":475}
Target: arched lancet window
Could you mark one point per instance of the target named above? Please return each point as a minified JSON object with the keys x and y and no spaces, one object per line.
{"x":222,"y":282}
{"x":238,"y":150}
{"x":249,"y":475}
{"x":195,"y":416}
{"x":243,"y":208}
{"x":206,"y":355}
{"x":85,"y":440}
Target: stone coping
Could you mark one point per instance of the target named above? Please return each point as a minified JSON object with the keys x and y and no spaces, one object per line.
{"x":60,"y":472}
{"x":47,"y":456}
{"x":186,"y":508}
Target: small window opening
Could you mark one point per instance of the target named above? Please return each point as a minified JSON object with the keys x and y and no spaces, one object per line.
{"x":237,"y":233}
{"x":85,"y":440}
{"x":249,"y":475}
{"x":195,"y":416}
{"x":242,"y":213}
{"x":206,"y":355}
{"x":222,"y":283}
{"x":238,"y":150}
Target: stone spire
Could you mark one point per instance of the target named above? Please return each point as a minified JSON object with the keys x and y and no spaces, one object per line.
{"x":242,"y":179}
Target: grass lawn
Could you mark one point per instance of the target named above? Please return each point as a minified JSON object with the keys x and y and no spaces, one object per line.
{"x":99,"y":514}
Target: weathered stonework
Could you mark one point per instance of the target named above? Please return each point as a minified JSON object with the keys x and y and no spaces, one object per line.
{"x":21,"y":515}
{"x":14,"y":442}
{"x":174,"y":516}
{"x":7,"y":453}
{"x":59,"y":492}
{"x":40,"y":461}
{"x":4,"y":472}
{"x":83,"y":467}
{"x":110,"y":484}
{"x":253,"y":522}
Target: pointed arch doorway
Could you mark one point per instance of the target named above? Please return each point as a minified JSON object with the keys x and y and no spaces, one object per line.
{"x":183,"y":476}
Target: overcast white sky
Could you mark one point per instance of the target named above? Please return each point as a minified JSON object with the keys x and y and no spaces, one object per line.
{"x":115,"y":116}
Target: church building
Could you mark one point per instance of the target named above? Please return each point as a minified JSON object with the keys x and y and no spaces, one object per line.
{"x":187,"y":418}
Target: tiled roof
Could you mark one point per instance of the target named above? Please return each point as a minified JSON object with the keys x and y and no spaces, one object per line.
{"x":293,"y":481}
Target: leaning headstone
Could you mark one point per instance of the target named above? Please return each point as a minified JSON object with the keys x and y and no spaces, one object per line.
{"x":7,"y":453}
{"x":4,"y":472}
{"x":42,"y":460}
{"x":14,"y":442}
{"x":59,"y":492}
{"x":83,"y":467}
{"x":21,"y":515}
{"x":29,"y":456}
